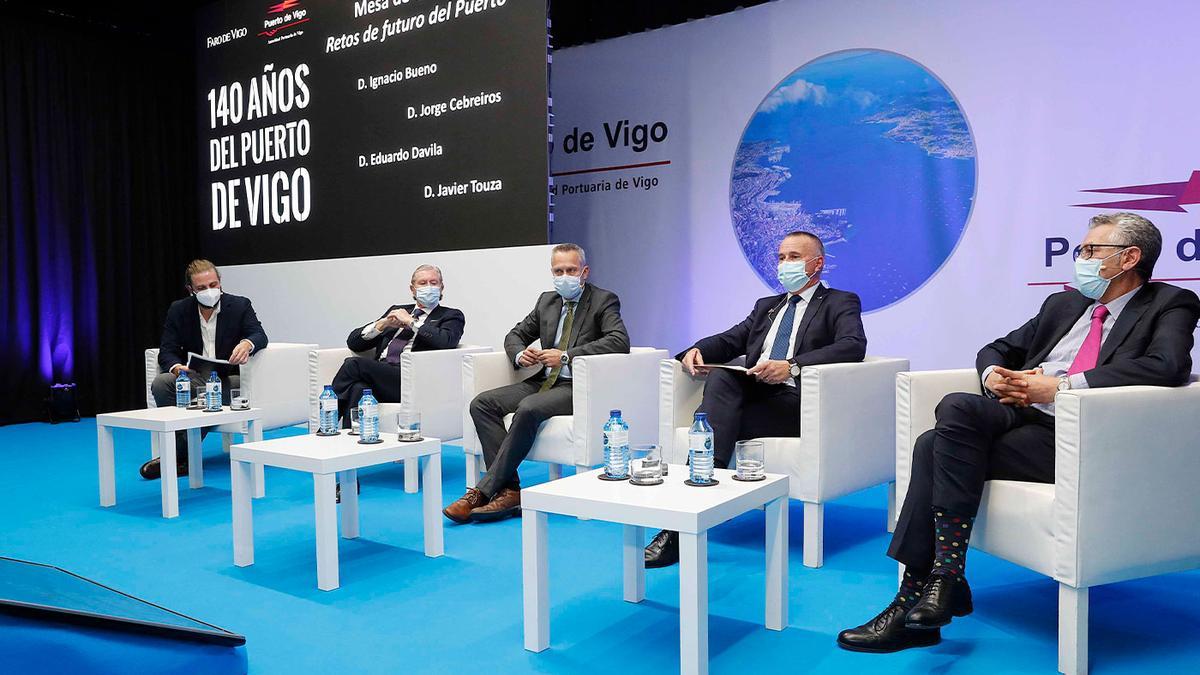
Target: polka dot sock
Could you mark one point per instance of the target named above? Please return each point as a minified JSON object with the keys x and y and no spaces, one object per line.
{"x":951,"y":534}
{"x":911,"y":587}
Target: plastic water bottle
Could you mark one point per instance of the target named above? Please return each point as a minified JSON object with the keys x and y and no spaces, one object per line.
{"x":183,"y":390}
{"x":329,"y":411}
{"x":212,"y":393}
{"x":700,"y":449}
{"x":368,"y":418}
{"x":616,"y":446}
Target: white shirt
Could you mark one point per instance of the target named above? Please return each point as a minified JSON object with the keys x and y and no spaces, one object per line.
{"x":208,"y":332}
{"x":801,"y":307}
{"x":1059,"y":360}
{"x":369,"y":332}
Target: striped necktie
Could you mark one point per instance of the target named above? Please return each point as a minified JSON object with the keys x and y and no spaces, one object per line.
{"x":779,"y":349}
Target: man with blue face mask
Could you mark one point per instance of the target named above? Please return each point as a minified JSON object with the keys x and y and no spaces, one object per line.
{"x":1116,"y":329}
{"x":426,"y":325}
{"x":575,"y":319}
{"x":808,"y":324}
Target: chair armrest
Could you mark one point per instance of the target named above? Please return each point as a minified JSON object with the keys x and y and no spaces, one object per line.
{"x":1126,"y":469}
{"x":482,"y":372}
{"x":847,"y":423}
{"x":603,"y":382}
{"x":276,"y":380}
{"x":679,"y":395}
{"x":323,"y":365}
{"x":917,"y":394}
{"x":151,"y":373}
{"x":431,"y":383}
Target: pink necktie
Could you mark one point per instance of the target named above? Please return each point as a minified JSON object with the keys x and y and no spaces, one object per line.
{"x":1089,"y":353}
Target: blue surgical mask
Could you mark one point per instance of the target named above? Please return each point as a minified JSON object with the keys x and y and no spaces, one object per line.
{"x":1088,"y":279}
{"x":569,"y":287}
{"x":428,"y":296}
{"x":792,"y":275}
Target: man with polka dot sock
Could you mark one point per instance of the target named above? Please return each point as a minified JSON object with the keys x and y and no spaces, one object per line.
{"x":1116,"y":329}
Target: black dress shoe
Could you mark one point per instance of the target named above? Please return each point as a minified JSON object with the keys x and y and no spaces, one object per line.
{"x":887,"y":633}
{"x":152,"y":471}
{"x":944,"y":597}
{"x":663,"y":550}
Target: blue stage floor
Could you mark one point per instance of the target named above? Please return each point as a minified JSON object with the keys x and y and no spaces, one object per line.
{"x":398,"y":611}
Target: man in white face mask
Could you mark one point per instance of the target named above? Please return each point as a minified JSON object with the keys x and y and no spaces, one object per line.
{"x":576,"y":319}
{"x":807,"y":324}
{"x":425,"y":325}
{"x":211,"y":323}
{"x":1116,"y":328}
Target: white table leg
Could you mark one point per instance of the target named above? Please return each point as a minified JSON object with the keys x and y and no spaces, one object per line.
{"x":108,"y":472}
{"x":241,"y":477}
{"x":325,"y":505}
{"x":255,"y":433}
{"x":155,"y":450}
{"x":411,"y":471}
{"x":195,"y":453}
{"x":431,"y":503}
{"x":535,"y":578}
{"x":554,"y":471}
{"x":349,"y":481}
{"x":891,"y":507}
{"x":169,"y":477}
{"x":777,"y":564}
{"x":634,"y":563}
{"x":693,"y":603}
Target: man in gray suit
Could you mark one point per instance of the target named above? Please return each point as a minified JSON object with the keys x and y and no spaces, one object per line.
{"x":575,"y":319}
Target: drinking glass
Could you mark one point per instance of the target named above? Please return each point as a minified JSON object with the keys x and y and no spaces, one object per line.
{"x":646,"y":465}
{"x":354,"y":420}
{"x":235,"y":399}
{"x":408,"y":423}
{"x":749,"y":457}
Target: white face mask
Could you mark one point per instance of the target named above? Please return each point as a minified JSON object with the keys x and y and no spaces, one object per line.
{"x":209,"y":297}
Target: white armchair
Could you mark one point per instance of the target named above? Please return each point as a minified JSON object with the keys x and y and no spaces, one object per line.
{"x":846,"y":436}
{"x":599,"y":384}
{"x":1124,"y":457}
{"x":430,"y":382}
{"x":274,"y":379}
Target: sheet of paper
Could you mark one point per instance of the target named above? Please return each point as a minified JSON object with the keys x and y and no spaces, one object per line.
{"x":194,"y":360}
{"x":740,"y":369}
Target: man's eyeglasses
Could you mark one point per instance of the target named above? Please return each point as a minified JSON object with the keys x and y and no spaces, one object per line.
{"x":1088,"y":251}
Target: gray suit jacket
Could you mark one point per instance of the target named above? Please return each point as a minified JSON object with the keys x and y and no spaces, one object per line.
{"x":597,"y":327}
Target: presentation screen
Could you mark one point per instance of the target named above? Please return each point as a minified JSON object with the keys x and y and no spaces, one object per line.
{"x":338,"y":129}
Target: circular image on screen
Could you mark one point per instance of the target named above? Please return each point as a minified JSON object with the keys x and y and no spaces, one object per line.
{"x":869,"y":151}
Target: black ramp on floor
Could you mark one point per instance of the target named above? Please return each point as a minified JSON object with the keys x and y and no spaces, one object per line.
{"x":34,"y":590}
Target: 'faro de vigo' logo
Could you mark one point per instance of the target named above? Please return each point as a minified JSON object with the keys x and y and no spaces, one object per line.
{"x":869,"y":151}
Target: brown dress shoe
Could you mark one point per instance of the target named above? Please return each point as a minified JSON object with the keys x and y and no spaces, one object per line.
{"x":152,"y":471}
{"x":506,"y":504}
{"x":460,"y":511}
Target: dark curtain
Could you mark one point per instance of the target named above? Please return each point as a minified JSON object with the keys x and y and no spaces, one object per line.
{"x":97,"y":206}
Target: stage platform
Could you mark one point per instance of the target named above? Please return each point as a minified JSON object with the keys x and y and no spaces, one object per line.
{"x":399,"y":611}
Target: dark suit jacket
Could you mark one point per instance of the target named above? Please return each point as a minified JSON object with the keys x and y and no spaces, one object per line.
{"x":597,"y":327}
{"x":181,"y":332}
{"x":1150,"y":343}
{"x":830,"y":331}
{"x":443,"y":328}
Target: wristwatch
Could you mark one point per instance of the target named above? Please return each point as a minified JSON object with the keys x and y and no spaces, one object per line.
{"x":795,"y":368}
{"x":566,"y":359}
{"x":1064,"y":383}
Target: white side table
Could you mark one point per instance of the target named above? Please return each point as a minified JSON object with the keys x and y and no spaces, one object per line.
{"x":162,"y":423}
{"x":323,"y":457}
{"x":690,"y":511}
